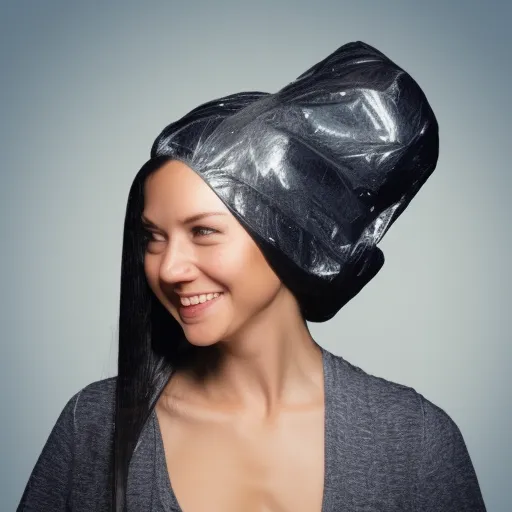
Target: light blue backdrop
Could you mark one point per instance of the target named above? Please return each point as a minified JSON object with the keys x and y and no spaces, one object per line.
{"x":86,"y":87}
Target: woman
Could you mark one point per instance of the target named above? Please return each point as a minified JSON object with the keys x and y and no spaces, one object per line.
{"x":256,"y":213}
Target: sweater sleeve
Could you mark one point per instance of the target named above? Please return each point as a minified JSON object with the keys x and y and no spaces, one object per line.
{"x":448,"y":482}
{"x":49,"y":483}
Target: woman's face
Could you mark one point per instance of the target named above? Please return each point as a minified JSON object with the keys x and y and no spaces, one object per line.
{"x":210,"y":254}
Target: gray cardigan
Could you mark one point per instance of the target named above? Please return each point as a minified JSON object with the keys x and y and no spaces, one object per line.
{"x":387,"y":448}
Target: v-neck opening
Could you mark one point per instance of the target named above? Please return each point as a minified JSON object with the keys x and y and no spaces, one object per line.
{"x":162,"y":471}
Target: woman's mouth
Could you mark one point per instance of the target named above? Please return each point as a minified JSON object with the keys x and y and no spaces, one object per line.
{"x":195,"y":310}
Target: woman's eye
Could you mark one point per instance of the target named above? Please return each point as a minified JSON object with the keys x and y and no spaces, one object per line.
{"x":201,"y":230}
{"x":149,"y":236}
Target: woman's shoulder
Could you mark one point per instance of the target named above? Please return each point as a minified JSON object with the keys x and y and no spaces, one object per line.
{"x":402,"y":436}
{"x":100,"y":393}
{"x":94,"y":403}
{"x":386,"y":400}
{"x":83,"y":427}
{"x":89,"y":411}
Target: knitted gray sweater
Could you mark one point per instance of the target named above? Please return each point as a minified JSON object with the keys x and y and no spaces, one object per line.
{"x":387,"y":448}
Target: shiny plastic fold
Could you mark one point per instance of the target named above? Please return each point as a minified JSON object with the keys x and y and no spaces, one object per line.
{"x":318,"y":171}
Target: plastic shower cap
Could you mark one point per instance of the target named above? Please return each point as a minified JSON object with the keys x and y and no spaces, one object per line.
{"x":318,"y":171}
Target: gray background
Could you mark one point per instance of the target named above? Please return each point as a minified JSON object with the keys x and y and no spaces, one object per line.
{"x":86,"y":87}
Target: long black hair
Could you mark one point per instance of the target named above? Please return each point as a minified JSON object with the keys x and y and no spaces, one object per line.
{"x":142,"y":372}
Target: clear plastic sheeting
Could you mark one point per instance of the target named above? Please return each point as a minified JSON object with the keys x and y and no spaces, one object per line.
{"x":318,"y":171}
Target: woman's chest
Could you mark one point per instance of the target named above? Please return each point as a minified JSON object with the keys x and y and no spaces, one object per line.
{"x":244,"y":465}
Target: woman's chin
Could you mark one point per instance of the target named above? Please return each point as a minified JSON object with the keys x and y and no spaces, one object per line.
{"x":200,"y":336}
{"x":201,"y":342}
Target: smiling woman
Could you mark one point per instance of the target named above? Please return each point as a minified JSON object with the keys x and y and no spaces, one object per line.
{"x":255,"y":214}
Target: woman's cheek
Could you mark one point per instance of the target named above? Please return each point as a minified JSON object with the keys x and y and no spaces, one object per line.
{"x":226,"y":260}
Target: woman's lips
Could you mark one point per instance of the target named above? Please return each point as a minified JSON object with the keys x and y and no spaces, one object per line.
{"x":196,"y":309}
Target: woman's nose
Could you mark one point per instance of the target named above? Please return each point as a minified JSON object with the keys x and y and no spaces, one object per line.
{"x":177,"y":264}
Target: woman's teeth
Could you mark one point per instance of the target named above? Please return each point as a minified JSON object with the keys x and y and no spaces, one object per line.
{"x":196,"y":299}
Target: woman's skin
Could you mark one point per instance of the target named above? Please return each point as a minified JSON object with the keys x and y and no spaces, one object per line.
{"x":250,"y":436}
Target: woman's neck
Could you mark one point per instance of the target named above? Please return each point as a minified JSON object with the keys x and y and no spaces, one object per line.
{"x":270,"y":365}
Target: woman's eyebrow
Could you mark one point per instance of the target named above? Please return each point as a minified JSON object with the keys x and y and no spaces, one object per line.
{"x":188,"y":220}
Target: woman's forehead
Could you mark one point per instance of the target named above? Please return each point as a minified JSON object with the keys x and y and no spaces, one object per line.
{"x":177,"y":180}
{"x":177,"y":190}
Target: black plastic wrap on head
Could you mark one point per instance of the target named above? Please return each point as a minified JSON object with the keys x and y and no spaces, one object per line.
{"x":317,"y":172}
